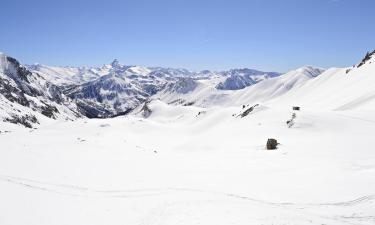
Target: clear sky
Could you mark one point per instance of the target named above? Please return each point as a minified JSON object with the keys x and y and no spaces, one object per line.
{"x":276,"y":35}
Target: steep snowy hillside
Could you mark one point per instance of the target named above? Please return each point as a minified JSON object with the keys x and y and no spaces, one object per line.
{"x":207,"y":94}
{"x":66,"y":75}
{"x":338,"y":89}
{"x":26,"y":96}
{"x":278,"y":86}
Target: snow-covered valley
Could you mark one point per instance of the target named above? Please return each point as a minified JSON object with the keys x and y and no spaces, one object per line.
{"x":180,"y":168}
{"x":195,"y":154}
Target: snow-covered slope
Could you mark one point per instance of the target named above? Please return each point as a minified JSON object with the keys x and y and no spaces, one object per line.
{"x":338,"y":89}
{"x":26,"y":96}
{"x":193,"y":154}
{"x":190,"y":165}
{"x":66,"y":75}
{"x":278,"y":86}
{"x":207,"y":94}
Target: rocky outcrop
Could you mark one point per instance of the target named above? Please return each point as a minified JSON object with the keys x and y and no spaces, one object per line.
{"x":25,"y":120}
{"x":271,"y":144}
{"x":247,"y":110}
{"x":367,"y":57}
{"x":20,"y":86}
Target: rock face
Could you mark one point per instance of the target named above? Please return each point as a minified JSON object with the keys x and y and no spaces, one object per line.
{"x":108,"y":96}
{"x":271,"y":144}
{"x":182,"y":85}
{"x":368,"y":56}
{"x":24,"y":94}
{"x":125,"y":88}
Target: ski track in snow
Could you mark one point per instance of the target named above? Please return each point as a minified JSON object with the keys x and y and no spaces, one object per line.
{"x":80,"y":191}
{"x":158,"y":215}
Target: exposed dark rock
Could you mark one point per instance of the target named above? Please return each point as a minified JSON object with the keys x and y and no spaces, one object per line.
{"x":367,"y":57}
{"x":296,"y":108}
{"x":247,"y":111}
{"x":92,"y":110}
{"x":290,"y":122}
{"x":188,"y":103}
{"x":271,"y":144}
{"x":25,"y":120}
{"x":22,"y":72}
{"x":49,"y":111}
{"x":13,"y":93}
{"x":201,"y":113}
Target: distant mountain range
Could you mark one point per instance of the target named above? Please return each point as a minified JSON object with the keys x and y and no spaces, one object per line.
{"x":115,"y":89}
{"x":30,"y":94}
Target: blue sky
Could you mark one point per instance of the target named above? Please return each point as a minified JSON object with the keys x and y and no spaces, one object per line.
{"x":276,"y":35}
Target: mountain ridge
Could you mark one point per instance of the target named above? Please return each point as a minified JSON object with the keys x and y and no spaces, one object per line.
{"x":116,"y":89}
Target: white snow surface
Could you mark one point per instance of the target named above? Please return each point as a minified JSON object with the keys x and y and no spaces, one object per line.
{"x":201,"y":164}
{"x":178,"y":167}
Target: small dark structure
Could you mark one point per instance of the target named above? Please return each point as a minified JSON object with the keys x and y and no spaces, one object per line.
{"x":296,"y":108}
{"x":290,"y":122}
{"x":271,"y":144}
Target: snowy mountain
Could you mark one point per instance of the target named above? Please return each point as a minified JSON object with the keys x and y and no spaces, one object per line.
{"x":26,"y":96}
{"x":241,"y":78}
{"x":235,"y":82}
{"x":338,"y":89}
{"x":116,"y":89}
{"x":110,"y":95}
{"x":181,"y":86}
{"x":277,"y":86}
{"x":118,"y":92}
{"x":188,"y":152}
{"x":206,"y":93}
{"x":67,"y":75}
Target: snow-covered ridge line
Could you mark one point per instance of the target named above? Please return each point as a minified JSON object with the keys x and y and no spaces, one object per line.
{"x":116,"y":89}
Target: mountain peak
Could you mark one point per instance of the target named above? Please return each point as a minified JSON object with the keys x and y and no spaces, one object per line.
{"x":310,"y":70}
{"x":369,"y":55}
{"x":115,"y":63}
